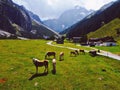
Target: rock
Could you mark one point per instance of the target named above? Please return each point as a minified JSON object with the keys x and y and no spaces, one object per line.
{"x":11,"y":13}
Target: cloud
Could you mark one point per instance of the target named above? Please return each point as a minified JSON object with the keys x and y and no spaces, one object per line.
{"x":53,"y":8}
{"x":22,"y":2}
{"x":95,"y":4}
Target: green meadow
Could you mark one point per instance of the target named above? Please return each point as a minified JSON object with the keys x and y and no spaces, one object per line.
{"x":17,"y":71}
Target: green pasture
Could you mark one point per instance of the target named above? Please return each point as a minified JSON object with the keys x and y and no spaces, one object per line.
{"x":17,"y":71}
{"x":73,"y":45}
{"x":113,"y":49}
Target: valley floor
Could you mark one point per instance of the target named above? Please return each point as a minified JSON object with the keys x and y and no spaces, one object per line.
{"x":82,"y":72}
{"x":102,"y":52}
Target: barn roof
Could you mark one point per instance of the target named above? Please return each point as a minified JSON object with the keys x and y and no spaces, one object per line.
{"x":77,"y":37}
{"x":104,"y":39}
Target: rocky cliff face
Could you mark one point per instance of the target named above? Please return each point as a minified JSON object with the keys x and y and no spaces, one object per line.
{"x":34,"y":16}
{"x":10,"y":14}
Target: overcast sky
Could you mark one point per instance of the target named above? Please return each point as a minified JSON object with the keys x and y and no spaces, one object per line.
{"x":53,"y":8}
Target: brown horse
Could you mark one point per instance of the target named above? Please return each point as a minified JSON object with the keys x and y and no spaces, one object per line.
{"x":73,"y":53}
{"x":82,"y":51}
{"x":38,"y":63}
{"x":93,"y":53}
{"x":61,"y":56}
{"x":48,"y":54}
{"x":77,"y":52}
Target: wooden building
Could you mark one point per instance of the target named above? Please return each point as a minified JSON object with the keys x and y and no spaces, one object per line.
{"x":105,"y":41}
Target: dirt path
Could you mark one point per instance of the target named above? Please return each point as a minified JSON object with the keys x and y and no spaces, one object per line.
{"x":103,"y":53}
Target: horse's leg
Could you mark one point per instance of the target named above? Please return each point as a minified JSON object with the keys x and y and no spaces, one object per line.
{"x":80,"y":52}
{"x":75,"y":54}
{"x":54,"y":56}
{"x":36,"y":69}
{"x":46,"y":69}
{"x":60,"y":58}
{"x":46,"y":56}
{"x":84,"y":52}
{"x":63,"y":57}
{"x":54,"y":68}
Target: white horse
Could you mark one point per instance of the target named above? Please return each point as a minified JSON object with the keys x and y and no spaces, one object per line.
{"x":54,"y":66}
{"x":38,"y":63}
{"x":61,"y":56}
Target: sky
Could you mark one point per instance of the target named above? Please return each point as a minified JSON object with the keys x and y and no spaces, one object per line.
{"x":48,"y":9}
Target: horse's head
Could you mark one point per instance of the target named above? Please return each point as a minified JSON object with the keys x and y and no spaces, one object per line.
{"x":54,"y":60}
{"x":34,"y":60}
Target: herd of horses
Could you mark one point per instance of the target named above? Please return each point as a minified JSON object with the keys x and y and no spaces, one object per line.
{"x":45,"y":62}
{"x":77,"y":52}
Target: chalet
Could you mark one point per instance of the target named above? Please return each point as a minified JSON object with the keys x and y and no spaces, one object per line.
{"x":109,"y":43}
{"x":60,"y":40}
{"x":76,"y":39}
{"x":105,"y":41}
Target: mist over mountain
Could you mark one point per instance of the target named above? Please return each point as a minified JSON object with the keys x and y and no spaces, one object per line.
{"x":50,"y":9}
{"x":67,"y":18}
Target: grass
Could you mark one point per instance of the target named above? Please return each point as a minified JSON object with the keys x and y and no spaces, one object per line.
{"x":73,"y":45}
{"x":107,"y":30}
{"x":74,"y":73}
{"x":113,"y":49}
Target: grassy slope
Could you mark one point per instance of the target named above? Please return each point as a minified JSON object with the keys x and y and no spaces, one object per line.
{"x":107,"y":30}
{"x":74,"y":73}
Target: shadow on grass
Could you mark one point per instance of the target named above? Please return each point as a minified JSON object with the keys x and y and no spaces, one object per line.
{"x":38,"y":75}
{"x":53,"y":72}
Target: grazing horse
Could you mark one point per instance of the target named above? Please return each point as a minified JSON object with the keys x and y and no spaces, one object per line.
{"x":93,"y":53}
{"x":54,"y":66}
{"x":82,"y":51}
{"x":98,"y":51}
{"x":61,"y":56}
{"x":77,"y":52}
{"x":48,"y":54}
{"x":38,"y":63}
{"x":73,"y":53}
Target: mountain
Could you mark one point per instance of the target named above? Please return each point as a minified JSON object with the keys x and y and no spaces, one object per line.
{"x":10,"y":14}
{"x":110,"y":29}
{"x":34,"y":16}
{"x":95,"y":20}
{"x":67,"y":18}
{"x":39,"y":30}
{"x":18,"y":22}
